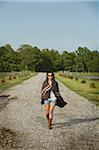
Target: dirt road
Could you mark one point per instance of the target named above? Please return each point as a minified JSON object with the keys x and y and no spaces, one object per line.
{"x":23,"y":125}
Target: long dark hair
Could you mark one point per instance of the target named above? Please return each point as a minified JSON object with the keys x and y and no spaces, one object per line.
{"x":52,"y":75}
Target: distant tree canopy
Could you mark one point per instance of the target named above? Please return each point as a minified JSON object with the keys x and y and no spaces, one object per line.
{"x":31,"y":58}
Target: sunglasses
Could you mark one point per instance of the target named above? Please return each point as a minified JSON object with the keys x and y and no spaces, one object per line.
{"x":50,"y":75}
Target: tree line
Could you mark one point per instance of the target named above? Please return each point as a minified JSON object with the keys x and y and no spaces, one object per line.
{"x":31,"y":58}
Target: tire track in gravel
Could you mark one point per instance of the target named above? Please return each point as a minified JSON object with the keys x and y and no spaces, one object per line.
{"x":23,"y":125}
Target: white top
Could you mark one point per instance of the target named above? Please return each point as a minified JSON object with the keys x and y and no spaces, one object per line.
{"x":52,"y":96}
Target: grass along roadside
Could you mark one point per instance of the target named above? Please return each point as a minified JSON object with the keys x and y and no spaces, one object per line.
{"x":82,"y":89}
{"x":88,"y":74}
{"x":80,"y":74}
{"x":18,"y":79}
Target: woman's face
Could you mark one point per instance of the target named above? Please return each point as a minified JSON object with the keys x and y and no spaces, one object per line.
{"x":50,"y":76}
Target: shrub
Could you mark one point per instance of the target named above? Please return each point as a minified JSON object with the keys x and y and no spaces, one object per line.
{"x":19,"y":76}
{"x":83,"y":81}
{"x":96,"y":92}
{"x":76,"y":78}
{"x":63,"y":75}
{"x":3,"y":81}
{"x":10,"y":77}
{"x":92,"y":85}
{"x":71,"y":77}
{"x":14,"y":77}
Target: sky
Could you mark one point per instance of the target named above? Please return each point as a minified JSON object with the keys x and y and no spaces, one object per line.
{"x":60,"y":25}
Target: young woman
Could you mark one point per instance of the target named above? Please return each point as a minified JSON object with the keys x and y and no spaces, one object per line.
{"x":49,"y":92}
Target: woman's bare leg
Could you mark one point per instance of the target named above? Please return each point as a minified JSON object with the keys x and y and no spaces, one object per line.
{"x":47,"y":106}
{"x":51,"y":109}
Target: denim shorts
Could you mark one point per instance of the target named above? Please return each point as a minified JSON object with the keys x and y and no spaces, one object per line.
{"x":49,"y":101}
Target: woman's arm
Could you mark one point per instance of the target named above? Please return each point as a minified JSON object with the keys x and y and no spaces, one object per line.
{"x":43,"y":86}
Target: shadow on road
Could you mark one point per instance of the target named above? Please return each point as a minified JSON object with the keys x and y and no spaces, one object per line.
{"x":75,"y":121}
{"x":3,"y":101}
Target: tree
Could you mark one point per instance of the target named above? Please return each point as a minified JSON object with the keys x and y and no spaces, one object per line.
{"x":34,"y":59}
{"x":93,"y":62}
{"x":82,"y":57}
{"x":46,"y":63}
{"x":69,"y":60}
{"x":8,"y":57}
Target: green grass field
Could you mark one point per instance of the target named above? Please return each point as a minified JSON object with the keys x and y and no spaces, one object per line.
{"x":82,"y":89}
{"x":89,"y":74}
{"x":10,"y":83}
{"x":80,"y":74}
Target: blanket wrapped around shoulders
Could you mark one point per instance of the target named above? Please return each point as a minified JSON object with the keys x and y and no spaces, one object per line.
{"x":46,"y":89}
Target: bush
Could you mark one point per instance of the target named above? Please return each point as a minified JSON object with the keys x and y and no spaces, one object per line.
{"x":71,"y":77}
{"x":92,"y":85}
{"x":83,"y":81}
{"x":3,"y":81}
{"x":76,"y":78}
{"x":10,"y":77}
{"x":19,"y":76}
{"x":14,"y":77}
{"x":63,"y":75}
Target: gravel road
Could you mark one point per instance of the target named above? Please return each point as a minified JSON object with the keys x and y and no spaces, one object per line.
{"x":23,"y":125}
